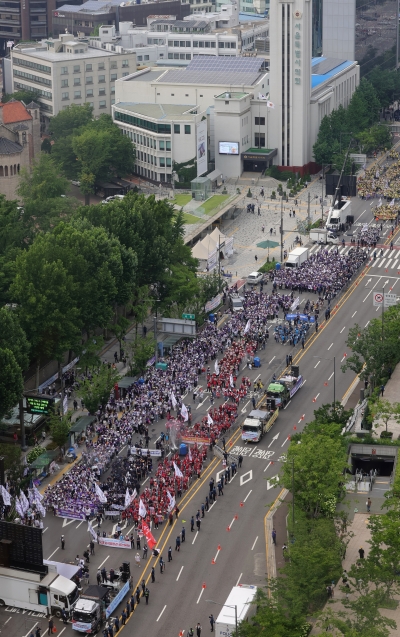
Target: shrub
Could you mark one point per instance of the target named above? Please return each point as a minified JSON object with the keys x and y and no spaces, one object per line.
{"x":34,"y":453}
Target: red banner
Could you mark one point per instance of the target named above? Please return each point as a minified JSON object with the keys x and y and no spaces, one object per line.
{"x":151,"y":542}
{"x":193,"y":439}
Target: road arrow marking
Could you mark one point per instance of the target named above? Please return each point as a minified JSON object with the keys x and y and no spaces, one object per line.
{"x":243,"y":481}
{"x":67,"y":522}
{"x":273,"y":439}
{"x":269,"y":485}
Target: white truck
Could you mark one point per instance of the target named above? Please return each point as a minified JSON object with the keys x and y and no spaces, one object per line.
{"x":296,"y":258}
{"x":257,"y":423}
{"x":323,"y":236}
{"x":47,"y":594}
{"x":238,"y":608}
{"x":339,"y":215}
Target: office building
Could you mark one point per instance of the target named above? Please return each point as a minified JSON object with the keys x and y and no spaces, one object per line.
{"x":67,"y":71}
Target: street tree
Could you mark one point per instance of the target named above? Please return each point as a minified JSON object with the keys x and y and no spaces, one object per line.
{"x":384,"y":410}
{"x":11,"y":382}
{"x":46,"y":297}
{"x":315,"y":469}
{"x":271,"y":619}
{"x":96,"y":392}
{"x":59,"y":428}
{"x":21,"y":96}
{"x":142,"y":349}
{"x":71,"y":119}
{"x":13,"y":337}
{"x":364,"y":107}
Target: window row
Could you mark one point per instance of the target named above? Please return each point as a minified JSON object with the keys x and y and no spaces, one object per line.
{"x":152,"y":159}
{"x":46,"y":94}
{"x":31,"y":65}
{"x":150,"y":174}
{"x":89,"y":93}
{"x":90,"y":67}
{"x":33,"y":78}
{"x":9,"y":171}
{"x":259,"y":121}
{"x":162,"y":129}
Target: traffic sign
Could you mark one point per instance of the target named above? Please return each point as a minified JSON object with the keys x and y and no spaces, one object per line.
{"x":189,"y":317}
{"x":387,"y":299}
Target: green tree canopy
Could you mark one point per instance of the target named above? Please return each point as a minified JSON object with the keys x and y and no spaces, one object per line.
{"x":13,"y":337}
{"x":96,"y":392}
{"x":11,"y":383}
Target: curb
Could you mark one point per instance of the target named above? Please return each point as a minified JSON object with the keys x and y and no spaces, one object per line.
{"x":270,"y":546}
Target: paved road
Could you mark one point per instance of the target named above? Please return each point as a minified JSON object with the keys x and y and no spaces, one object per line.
{"x":236,"y":522}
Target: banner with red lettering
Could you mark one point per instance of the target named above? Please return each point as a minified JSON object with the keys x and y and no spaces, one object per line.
{"x":151,"y":542}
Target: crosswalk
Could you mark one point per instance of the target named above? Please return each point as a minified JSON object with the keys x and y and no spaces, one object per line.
{"x":389,"y":260}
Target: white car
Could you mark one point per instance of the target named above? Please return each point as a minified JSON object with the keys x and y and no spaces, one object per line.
{"x":113,"y":198}
{"x":75,"y":183}
{"x":254,"y":278}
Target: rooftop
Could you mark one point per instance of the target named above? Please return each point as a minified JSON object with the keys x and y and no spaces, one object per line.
{"x":322,"y":69}
{"x":14,"y":112}
{"x":232,"y":95}
{"x":51,"y":56}
{"x":208,"y":69}
{"x":8,"y":147}
{"x":92,"y":6}
{"x":148,"y":76}
{"x":158,"y":111}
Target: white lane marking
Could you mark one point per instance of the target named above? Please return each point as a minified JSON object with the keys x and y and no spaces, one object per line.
{"x":331,"y":345}
{"x":343,"y":328}
{"x":67,"y":522}
{"x":159,"y":617}
{"x":215,"y":502}
{"x":60,"y":633}
{"x":250,"y":474}
{"x":333,"y":373}
{"x":353,"y":315}
{"x":394,"y":264}
{"x":377,"y":309}
{"x":247,"y":495}
{"x":44,"y":530}
{"x":50,"y":556}
{"x":289,"y":402}
{"x":103,"y":562}
{"x":268,"y":465}
{"x":252,"y":548}
{"x":216,"y":555}
{"x":11,"y":618}
{"x":272,"y":441}
{"x":179,"y":574}
{"x":346,"y":356}
{"x":81,"y":522}
{"x":271,"y":360}
{"x":271,"y":482}
{"x":284,"y":443}
{"x":316,"y":396}
{"x":122,"y":450}
{"x":200,"y":595}
{"x":194,"y":539}
{"x":230,"y":526}
{"x":237,"y":583}
{"x":366,"y":324}
{"x":31,"y":630}
{"x":317,"y":364}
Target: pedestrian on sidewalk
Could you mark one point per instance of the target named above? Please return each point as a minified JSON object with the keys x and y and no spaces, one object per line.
{"x":274,"y":536}
{"x":369,"y":505}
{"x":382,"y":389}
{"x":361,"y":553}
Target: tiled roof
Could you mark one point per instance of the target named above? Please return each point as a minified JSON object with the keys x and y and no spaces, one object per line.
{"x":14,"y":112}
{"x":8,"y":147}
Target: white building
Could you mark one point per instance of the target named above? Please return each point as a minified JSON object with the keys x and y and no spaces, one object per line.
{"x":67,"y":71}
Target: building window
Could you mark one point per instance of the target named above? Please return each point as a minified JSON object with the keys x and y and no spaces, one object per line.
{"x":77,"y":69}
{"x":125,"y":74}
{"x":64,"y":70}
{"x":77,"y":81}
{"x":140,"y":58}
{"x":188,"y":56}
{"x":102,"y":78}
{"x":102,"y":104}
{"x":125,"y":64}
{"x":162,"y":162}
{"x":89,"y":79}
{"x":113,"y":77}
{"x":195,"y":44}
{"x":187,"y":129}
{"x":259,"y":140}
{"x":112,"y":90}
{"x":64,"y":83}
{"x":113,"y":65}
{"x":177,"y":129}
{"x":101,"y":66}
{"x":147,"y":57}
{"x":89,"y":92}
{"x":65,"y":96}
{"x":259,"y":121}
{"x":169,"y":162}
{"x":168,"y":145}
{"x":102,"y":91}
{"x":161,"y":145}
{"x":89,"y":67}
{"x":77,"y":95}
{"x":221,"y":45}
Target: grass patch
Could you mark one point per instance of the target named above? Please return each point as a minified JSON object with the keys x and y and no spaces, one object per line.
{"x":211,"y":204}
{"x":190,"y":218}
{"x":181,"y":200}
{"x":268,"y":265}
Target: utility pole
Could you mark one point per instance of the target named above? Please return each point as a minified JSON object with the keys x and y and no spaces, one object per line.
{"x":282,"y":229}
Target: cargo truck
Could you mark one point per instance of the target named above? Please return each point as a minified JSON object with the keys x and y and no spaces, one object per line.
{"x":296,"y":258}
{"x":238,"y":607}
{"x":257,"y":424}
{"x":89,"y":612}
{"x":339,"y":215}
{"x":285,"y":387}
{"x":49,"y":593}
{"x":323,"y":237}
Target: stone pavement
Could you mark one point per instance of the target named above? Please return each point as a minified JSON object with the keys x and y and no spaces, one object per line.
{"x":391,"y":394}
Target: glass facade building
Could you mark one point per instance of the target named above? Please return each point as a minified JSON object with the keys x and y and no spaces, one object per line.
{"x":316,"y":28}
{"x":376,"y":34}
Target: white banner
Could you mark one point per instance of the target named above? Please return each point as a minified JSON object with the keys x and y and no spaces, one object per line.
{"x":154,"y":453}
{"x":246,"y":329}
{"x":65,"y":404}
{"x":92,"y":531}
{"x":116,"y":544}
{"x":178,"y":472}
{"x":184,"y":413}
{"x":201,"y":146}
{"x":100,"y":494}
{"x":142,"y":509}
{"x":211,"y":305}
{"x":83,"y":627}
{"x":173,"y":400}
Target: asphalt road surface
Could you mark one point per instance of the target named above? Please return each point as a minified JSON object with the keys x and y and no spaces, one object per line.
{"x":230,"y":547}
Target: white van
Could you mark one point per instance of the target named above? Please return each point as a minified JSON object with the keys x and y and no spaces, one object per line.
{"x":254,"y":278}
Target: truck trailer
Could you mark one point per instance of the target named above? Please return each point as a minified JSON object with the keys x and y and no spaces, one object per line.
{"x":257,"y":423}
{"x":50,"y":593}
{"x":339,"y":215}
{"x":237,"y":608}
{"x":283,"y":389}
{"x":323,"y":236}
{"x":296,"y":258}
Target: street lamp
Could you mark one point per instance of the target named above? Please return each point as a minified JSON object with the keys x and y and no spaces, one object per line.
{"x":334,"y":376}
{"x":210,"y":601}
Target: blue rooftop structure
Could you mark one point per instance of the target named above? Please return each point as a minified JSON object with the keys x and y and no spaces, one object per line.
{"x":322,"y":69}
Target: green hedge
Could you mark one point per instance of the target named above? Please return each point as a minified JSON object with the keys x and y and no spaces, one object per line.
{"x":268,"y":265}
